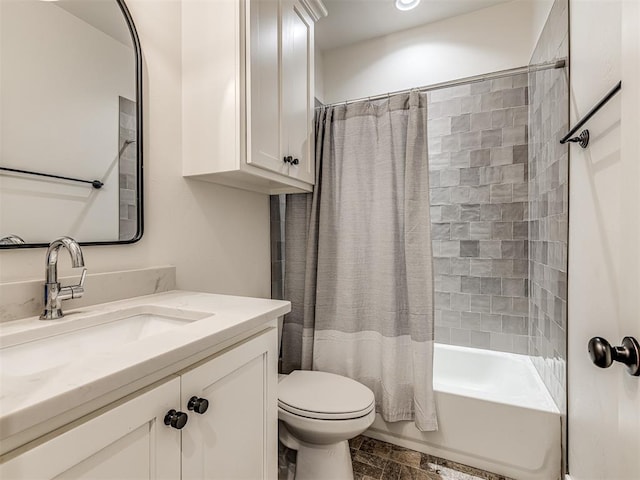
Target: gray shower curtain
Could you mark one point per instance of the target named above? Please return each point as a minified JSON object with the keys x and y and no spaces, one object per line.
{"x":358,"y":262}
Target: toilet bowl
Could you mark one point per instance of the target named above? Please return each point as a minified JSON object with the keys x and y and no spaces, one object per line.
{"x":318,"y":413}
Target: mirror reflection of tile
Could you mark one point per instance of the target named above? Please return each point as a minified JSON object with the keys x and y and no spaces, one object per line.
{"x":128,"y":169}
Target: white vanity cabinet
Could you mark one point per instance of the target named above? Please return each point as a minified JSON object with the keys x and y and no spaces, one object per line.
{"x":235,"y":438}
{"x":248,"y":93}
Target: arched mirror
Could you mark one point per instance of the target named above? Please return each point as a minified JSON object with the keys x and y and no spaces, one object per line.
{"x":70,"y":123}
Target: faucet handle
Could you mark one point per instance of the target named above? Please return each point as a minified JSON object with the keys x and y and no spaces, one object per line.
{"x":83,"y":275}
{"x":78,"y":290}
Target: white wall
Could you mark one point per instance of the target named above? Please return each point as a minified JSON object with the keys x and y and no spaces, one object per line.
{"x":494,"y":38}
{"x":61,"y":79}
{"x":217,"y":237}
{"x":604,"y":226}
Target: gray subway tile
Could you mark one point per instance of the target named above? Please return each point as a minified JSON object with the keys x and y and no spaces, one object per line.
{"x":515,"y":325}
{"x":480,"y":339}
{"x":442,"y":265}
{"x":502,"y":267}
{"x":500,"y":304}
{"x":502,"y":118}
{"x":480,"y":267}
{"x":501,"y":193}
{"x":460,"y":266}
{"x":443,"y":300}
{"x":469,"y":176}
{"x":461,"y":123}
{"x":469,"y":248}
{"x":460,"y":194}
{"x":450,"y":213}
{"x":469,"y":212}
{"x":449,"y":248}
{"x":502,"y":156}
{"x":513,"y":287}
{"x":520,"y":192}
{"x":447,"y":283}
{"x":491,"y":286}
{"x":515,"y":97}
{"x":440,"y":231}
{"x":513,"y":173}
{"x":491,"y":138}
{"x":481,"y":121}
{"x":459,"y":231}
{"x":514,"y":135}
{"x":513,"y":211}
{"x":460,"y":301}
{"x":449,"y":178}
{"x":502,"y":230}
{"x":480,"y":230}
{"x":450,"y":319}
{"x":460,"y":337}
{"x":460,"y":159}
{"x":470,"y":140}
{"x":480,"y":158}
{"x":502,"y":342}
{"x":491,"y":322}
{"x":470,"y":320}
{"x":490,"y":212}
{"x":520,"y":153}
{"x":440,"y":196}
{"x":442,"y":334}
{"x":490,"y":249}
{"x":480,"y":303}
{"x":512,"y":249}
{"x":470,"y":285}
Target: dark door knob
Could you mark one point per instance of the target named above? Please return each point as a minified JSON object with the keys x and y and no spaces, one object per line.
{"x":603,"y":354}
{"x":198,"y":405}
{"x":176,"y":419}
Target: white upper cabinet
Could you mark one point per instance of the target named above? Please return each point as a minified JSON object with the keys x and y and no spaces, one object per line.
{"x":247,"y":90}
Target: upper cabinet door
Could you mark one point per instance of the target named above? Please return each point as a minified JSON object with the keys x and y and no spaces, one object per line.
{"x":263,"y":72}
{"x":237,"y":436}
{"x":127,"y":441}
{"x":297,"y":90}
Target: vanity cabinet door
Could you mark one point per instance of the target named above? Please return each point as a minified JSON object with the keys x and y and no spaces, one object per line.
{"x":128,"y":441}
{"x":298,"y":90}
{"x":236,"y":438}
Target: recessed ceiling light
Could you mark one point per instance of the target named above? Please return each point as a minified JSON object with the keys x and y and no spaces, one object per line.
{"x":406,"y":4}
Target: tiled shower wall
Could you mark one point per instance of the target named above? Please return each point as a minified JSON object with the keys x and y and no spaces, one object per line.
{"x":128,"y":170}
{"x":478,"y":169}
{"x":548,"y":206}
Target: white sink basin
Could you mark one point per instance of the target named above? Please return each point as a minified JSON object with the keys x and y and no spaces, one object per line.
{"x":59,"y":342}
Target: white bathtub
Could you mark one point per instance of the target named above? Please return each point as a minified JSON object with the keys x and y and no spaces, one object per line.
{"x":494,"y":413}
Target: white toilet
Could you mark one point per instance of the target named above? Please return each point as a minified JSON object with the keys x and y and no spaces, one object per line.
{"x":318,"y":413}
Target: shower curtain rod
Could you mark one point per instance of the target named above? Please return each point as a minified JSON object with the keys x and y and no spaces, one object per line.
{"x":560,"y":63}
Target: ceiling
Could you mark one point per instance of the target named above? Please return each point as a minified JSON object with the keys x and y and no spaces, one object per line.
{"x":105,"y":15}
{"x":351,"y":21}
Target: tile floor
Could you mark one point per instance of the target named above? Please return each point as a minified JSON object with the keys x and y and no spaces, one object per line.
{"x":377,"y":460}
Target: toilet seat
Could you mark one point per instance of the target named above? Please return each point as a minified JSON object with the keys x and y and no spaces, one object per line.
{"x":324,"y":396}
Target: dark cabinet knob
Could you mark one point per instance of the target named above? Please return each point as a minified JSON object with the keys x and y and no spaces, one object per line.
{"x":603,"y":354}
{"x":295,"y":161}
{"x":288,"y":159}
{"x":176,"y":419}
{"x":198,"y":405}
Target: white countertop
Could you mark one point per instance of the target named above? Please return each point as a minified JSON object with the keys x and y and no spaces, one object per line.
{"x":29,"y":400}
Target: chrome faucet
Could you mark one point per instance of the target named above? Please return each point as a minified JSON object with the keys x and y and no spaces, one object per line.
{"x":54,"y":293}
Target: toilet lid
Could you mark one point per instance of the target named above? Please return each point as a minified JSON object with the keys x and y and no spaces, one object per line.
{"x":324,"y":395}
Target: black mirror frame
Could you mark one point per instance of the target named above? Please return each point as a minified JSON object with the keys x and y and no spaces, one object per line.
{"x":139,"y":144}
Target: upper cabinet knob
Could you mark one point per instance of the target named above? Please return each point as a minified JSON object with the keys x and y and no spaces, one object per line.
{"x":295,"y":161}
{"x":198,"y":405}
{"x":176,"y":419}
{"x":603,"y":354}
{"x":288,"y":159}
